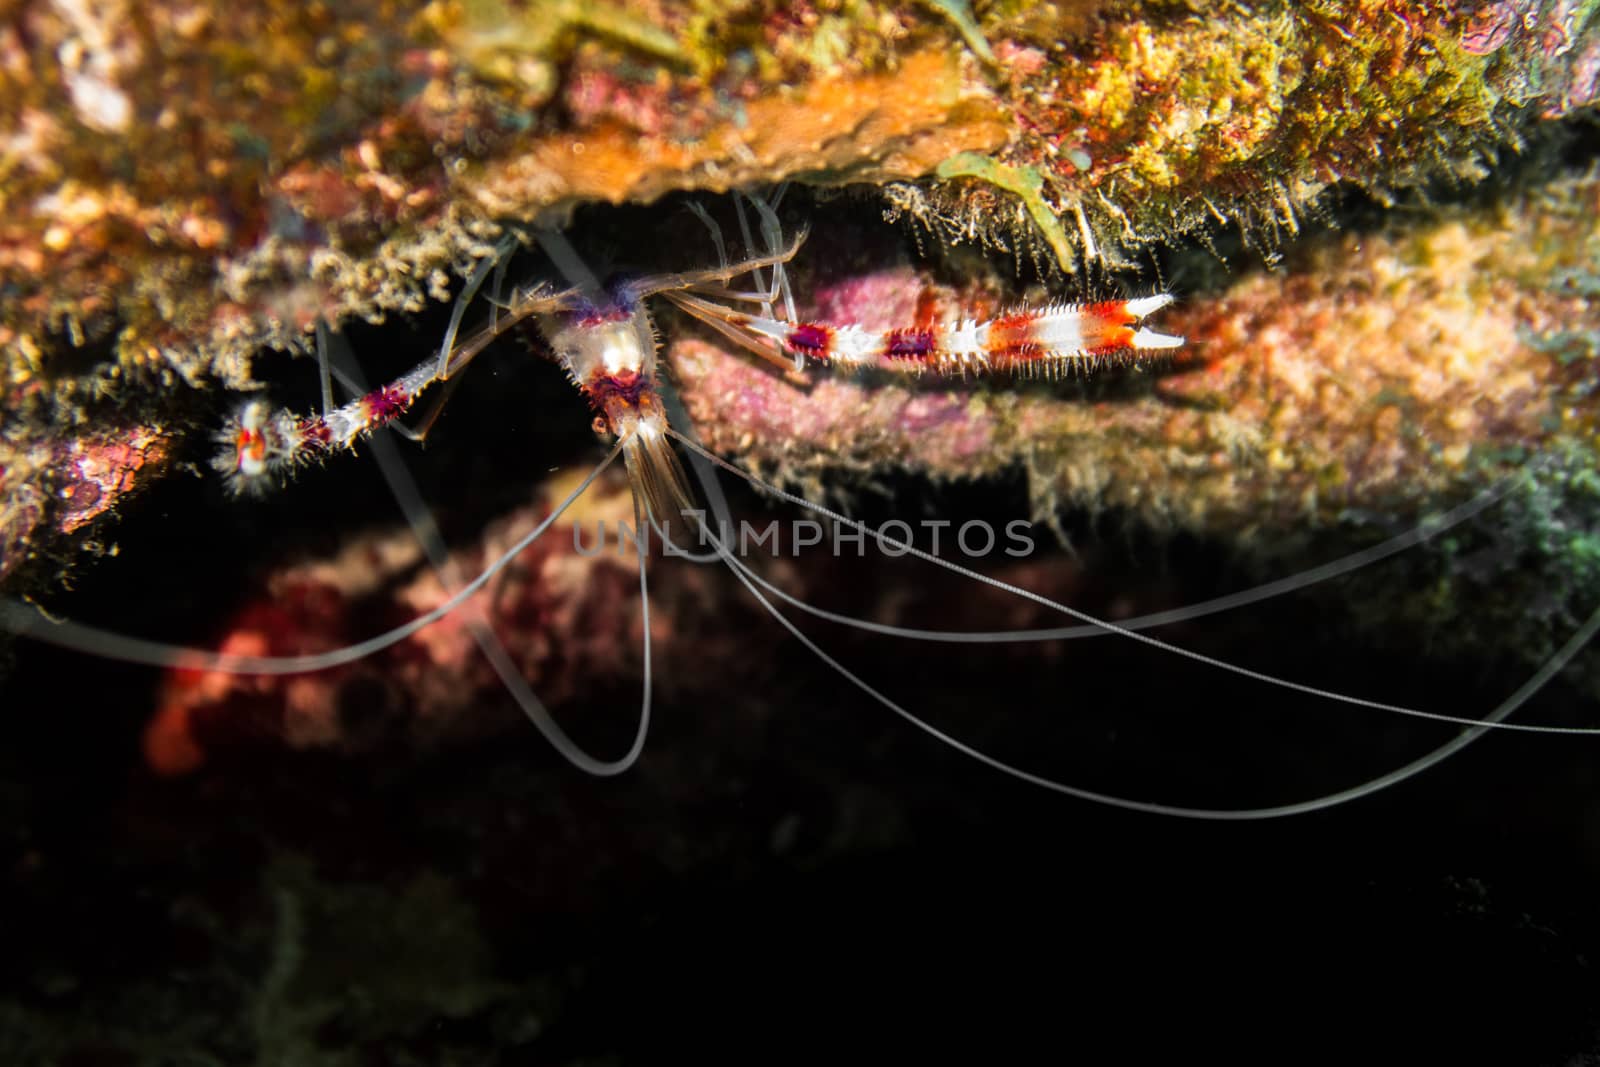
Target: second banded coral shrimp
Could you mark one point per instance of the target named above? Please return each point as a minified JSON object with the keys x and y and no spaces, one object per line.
{"x":604,"y":338}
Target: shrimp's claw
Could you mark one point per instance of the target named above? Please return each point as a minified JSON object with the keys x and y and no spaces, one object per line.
{"x":1143,"y":338}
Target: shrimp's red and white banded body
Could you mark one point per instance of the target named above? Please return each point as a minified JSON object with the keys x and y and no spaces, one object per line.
{"x":605,"y":339}
{"x":260,"y":445}
{"x":1048,"y":341}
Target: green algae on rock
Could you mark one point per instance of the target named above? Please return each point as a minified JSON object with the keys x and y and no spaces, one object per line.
{"x":1140,"y":129}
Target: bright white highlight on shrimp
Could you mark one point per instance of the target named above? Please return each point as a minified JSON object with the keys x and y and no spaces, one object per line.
{"x":606,"y":341}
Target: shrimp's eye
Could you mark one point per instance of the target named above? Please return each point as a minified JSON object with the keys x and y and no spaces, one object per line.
{"x":600,"y":426}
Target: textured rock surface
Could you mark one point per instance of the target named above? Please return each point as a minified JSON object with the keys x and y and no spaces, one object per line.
{"x":178,"y":197}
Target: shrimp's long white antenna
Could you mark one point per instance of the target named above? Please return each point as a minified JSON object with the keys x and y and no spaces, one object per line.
{"x":1423,"y":531}
{"x":1415,"y":767}
{"x":702,"y":462}
{"x":403,"y":487}
{"x":26,"y":620}
{"x":1133,"y":635}
{"x":772,"y":231}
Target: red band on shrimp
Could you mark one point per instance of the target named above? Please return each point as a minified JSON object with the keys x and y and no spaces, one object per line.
{"x":315,"y":431}
{"x":811,"y":340}
{"x":252,"y":446}
{"x":384,"y":404}
{"x":1012,"y":337}
{"x":1106,"y":327}
{"x":910,"y":344}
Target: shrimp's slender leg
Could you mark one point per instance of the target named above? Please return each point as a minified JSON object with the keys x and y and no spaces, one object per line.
{"x":496,"y":288}
{"x":522,"y":305}
{"x":716,"y":231}
{"x":744,"y":233}
{"x":772,"y":232}
{"x":261,"y":445}
{"x":430,"y":415}
{"x":323,"y":369}
{"x":497,"y":304}
{"x":650,"y":285}
{"x":419,"y":432}
{"x":716,"y":318}
{"x":403,"y":487}
{"x":502,"y":255}
{"x":568,"y":262}
{"x":691,"y":298}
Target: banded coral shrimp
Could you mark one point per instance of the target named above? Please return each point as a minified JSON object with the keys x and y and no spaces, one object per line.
{"x":605,"y":341}
{"x":801,"y":822}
